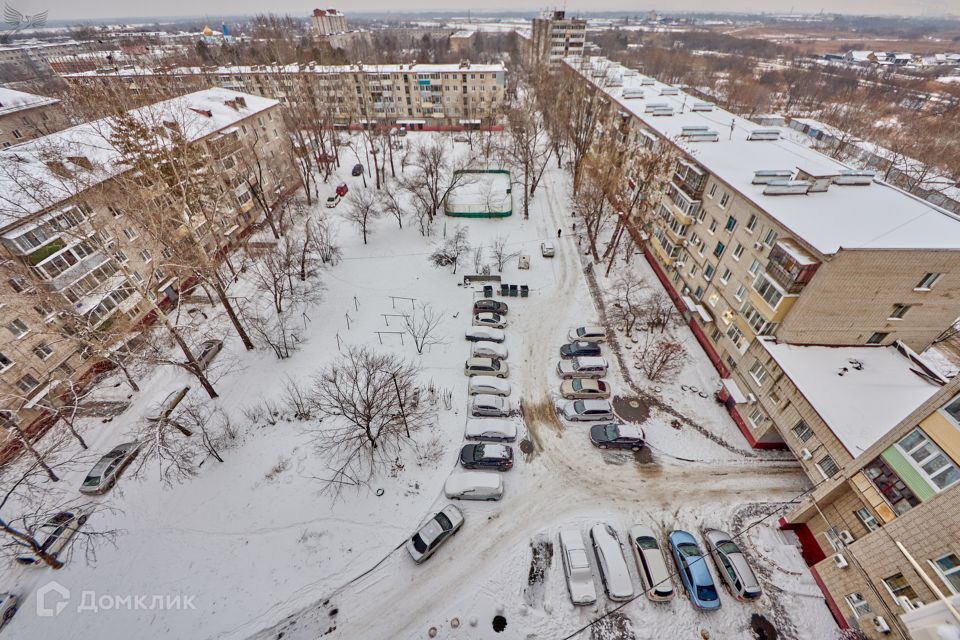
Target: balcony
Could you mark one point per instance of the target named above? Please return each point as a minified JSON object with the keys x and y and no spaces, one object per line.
{"x":690,"y":179}
{"x":790,"y":266}
{"x":77,"y":271}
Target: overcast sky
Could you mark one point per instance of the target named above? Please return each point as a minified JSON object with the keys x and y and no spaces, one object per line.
{"x":213,"y":9}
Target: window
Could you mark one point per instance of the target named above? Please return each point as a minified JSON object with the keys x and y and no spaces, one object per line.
{"x":802,"y":431}
{"x":899,"y":310}
{"x":693,"y":270}
{"x":17,"y":134}
{"x":866,"y":519}
{"x":708,"y":270}
{"x":752,"y":222}
{"x":5,"y":362}
{"x":877,"y":337}
{"x":18,"y":328}
{"x":713,"y":226}
{"x":725,"y":276}
{"x":948,"y":567}
{"x":890,"y":486}
{"x":770,"y":238}
{"x":698,"y":293}
{"x":758,"y":372}
{"x":754,"y":268}
{"x":953,"y":409}
{"x":167,"y":254}
{"x":898,"y":587}
{"x":42,"y":351}
{"x":731,"y":223}
{"x":737,"y":251}
{"x":114,"y":211}
{"x":929,"y":459}
{"x":724,"y":200}
{"x":770,"y":293}
{"x":718,"y":250}
{"x":130,"y":233}
{"x":713,"y":190}
{"x":927,"y":281}
{"x":27,"y":383}
{"x":828,"y":467}
{"x":737,"y":337}
{"x":757,"y":418}
{"x":145,"y":256}
{"x":857,"y":605}
{"x":741,"y":291}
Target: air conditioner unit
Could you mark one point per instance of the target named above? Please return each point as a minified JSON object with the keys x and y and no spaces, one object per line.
{"x":751,"y":398}
{"x":805,"y":454}
{"x":840,"y":561}
{"x":684,"y":243}
{"x":846,"y":537}
{"x":881,"y":625}
{"x":758,"y":245}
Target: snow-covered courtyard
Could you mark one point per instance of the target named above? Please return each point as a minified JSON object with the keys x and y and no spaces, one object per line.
{"x":261,"y":548}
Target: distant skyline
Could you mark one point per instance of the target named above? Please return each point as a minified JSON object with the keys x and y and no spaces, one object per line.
{"x":213,"y":9}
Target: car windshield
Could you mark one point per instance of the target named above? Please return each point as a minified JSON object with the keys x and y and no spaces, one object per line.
{"x":577,"y":384}
{"x":707,"y":593}
{"x":444,"y":522}
{"x":689,"y":550}
{"x":419,"y":544}
{"x":646,"y":542}
{"x":728,"y":547}
{"x":582,"y":331}
{"x":578,"y":406}
{"x":91,"y":481}
{"x":611,"y":431}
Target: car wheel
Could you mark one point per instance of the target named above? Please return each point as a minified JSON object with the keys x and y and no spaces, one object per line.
{"x":82,"y":520}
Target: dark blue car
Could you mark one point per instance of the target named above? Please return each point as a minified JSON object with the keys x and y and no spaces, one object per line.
{"x":693,"y":570}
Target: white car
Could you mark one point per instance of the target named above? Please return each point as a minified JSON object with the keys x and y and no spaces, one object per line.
{"x":489,"y":319}
{"x":489,"y":406}
{"x":486,"y":349}
{"x":547,"y":249}
{"x":585,"y":367}
{"x":490,"y":385}
{"x":56,"y":533}
{"x":476,"y":334}
{"x":576,"y":567}
{"x":486,"y":367}
{"x":590,"y":333}
{"x":333,"y":201}
{"x":490,"y":430}
{"x":474,"y":485}
{"x":434,"y":532}
{"x":613,"y":568}
{"x":586,"y":410}
{"x":650,"y":563}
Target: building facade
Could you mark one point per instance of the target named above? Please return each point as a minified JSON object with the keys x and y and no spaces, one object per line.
{"x":555,"y":37}
{"x":24,"y":116}
{"x":327,"y":22}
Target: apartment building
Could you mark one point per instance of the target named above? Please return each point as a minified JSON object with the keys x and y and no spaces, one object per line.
{"x":555,"y":37}
{"x":24,"y":116}
{"x":418,"y":96}
{"x":27,"y":59}
{"x":74,"y":256}
{"x":327,"y":22}
{"x":759,"y":236}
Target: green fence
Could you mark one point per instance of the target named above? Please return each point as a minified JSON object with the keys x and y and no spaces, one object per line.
{"x":478,"y":210}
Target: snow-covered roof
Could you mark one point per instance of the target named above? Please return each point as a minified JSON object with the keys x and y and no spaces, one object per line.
{"x":860,"y":392}
{"x":12,"y":101}
{"x":28,"y":185}
{"x":132,"y":70}
{"x":876,"y":216}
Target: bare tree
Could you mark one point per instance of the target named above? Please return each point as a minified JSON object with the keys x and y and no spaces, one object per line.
{"x":452,"y":251}
{"x":527,"y":148}
{"x":390,"y":201}
{"x":658,"y":311}
{"x":500,"y":252}
{"x":660,"y":358}
{"x":363,"y":207}
{"x":421,"y":325}
{"x":627,"y":307}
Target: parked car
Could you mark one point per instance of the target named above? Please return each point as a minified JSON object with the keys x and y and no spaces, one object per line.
{"x":490,"y":430}
{"x":461,"y":138}
{"x":489,"y":304}
{"x":209,"y":349}
{"x":590,"y":333}
{"x":547,"y":250}
{"x":613,"y":568}
{"x":434,"y":532}
{"x":617,"y":436}
{"x":579,"y":349}
{"x":487,"y":319}
{"x":586,"y":410}
{"x":333,"y":201}
{"x":402,"y":132}
{"x":486,"y":367}
{"x":357,"y":170}
{"x":490,"y":406}
{"x":474,"y":485}
{"x":104,"y":474}
{"x":8,"y":608}
{"x":576,"y":567}
{"x":584,"y":389}
{"x":476,"y":334}
{"x":487,"y":349}
{"x":732,"y":565}
{"x":650,"y":563}
{"x":168,"y":405}
{"x":586,"y":367}
{"x":343,"y":189}
{"x":487,"y":456}
{"x":693,"y":570}
{"x":56,"y":534}
{"x":489,"y":385}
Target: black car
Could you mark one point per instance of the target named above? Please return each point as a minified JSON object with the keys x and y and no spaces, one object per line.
{"x":579,"y":349}
{"x":357,"y":169}
{"x":487,"y":456}
{"x":616,"y":436}
{"x":491,"y":305}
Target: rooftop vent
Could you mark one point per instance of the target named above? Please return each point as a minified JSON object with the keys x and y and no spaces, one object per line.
{"x":663,"y":111}
{"x":669,"y":91}
{"x":860,"y":178}
{"x":766,"y":176}
{"x":629,"y":72}
{"x":764,"y":134}
{"x":653,"y":106}
{"x":702,"y":136}
{"x":646,"y":82}
{"x":787,"y":187}
{"x":693,"y":128}
{"x":702,"y":106}
{"x":632,"y":93}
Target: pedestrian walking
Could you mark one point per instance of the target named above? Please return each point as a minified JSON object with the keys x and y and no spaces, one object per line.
{"x":574,"y":227}
{"x":559,"y":231}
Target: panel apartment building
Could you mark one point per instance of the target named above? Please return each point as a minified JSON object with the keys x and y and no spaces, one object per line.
{"x":555,"y":37}
{"x":417,"y":96}
{"x":72,"y":255}
{"x":760,"y":236}
{"x":24,"y":116}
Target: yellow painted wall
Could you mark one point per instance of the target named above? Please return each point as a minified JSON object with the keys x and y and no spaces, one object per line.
{"x":942,"y":431}
{"x":873,"y":498}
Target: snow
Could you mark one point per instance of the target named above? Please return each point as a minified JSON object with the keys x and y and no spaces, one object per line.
{"x":878,"y":216}
{"x":481,"y":193}
{"x":265,"y":552}
{"x":12,"y":101}
{"x":374,"y":69}
{"x":859,"y":405}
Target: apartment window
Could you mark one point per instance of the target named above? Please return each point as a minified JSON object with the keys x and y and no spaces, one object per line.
{"x":756,"y":418}
{"x":933,"y":463}
{"x":114,"y":211}
{"x":898,"y":587}
{"x":130,"y":233}
{"x":828,"y":467}
{"x":42,"y":351}
{"x":899,"y":310}
{"x":890,"y":486}
{"x":953,"y":409}
{"x":713,"y":299}
{"x":145,"y":256}
{"x":926,"y":283}
{"x":708,"y":270}
{"x":27,"y":383}
{"x":770,"y":238}
{"x":713,"y":226}
{"x":857,"y":604}
{"x":754,"y":268}
{"x":737,"y":337}
{"x":752,"y":222}
{"x":698,"y":294}
{"x":715,"y":334}
{"x":737,"y":251}
{"x":724,"y":200}
{"x":167,"y":254}
{"x":866,"y":519}
{"x":5,"y":362}
{"x":948,"y":567}
{"x":741,"y":291}
{"x":758,"y":372}
{"x":770,"y":293}
{"x":718,"y":250}
{"x":731,"y":223}
{"x":64,"y":369}
{"x":18,"y":328}
{"x":158,"y":275}
{"x":17,"y":134}
{"x":693,"y":270}
{"x":120,"y":256}
{"x":802,"y":431}
{"x":877,"y":337}
{"x":725,"y":276}
{"x":713,"y":190}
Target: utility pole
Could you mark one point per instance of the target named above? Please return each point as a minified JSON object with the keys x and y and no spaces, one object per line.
{"x":403,"y":415}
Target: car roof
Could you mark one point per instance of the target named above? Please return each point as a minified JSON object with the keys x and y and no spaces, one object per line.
{"x":492,"y":450}
{"x":430,"y":531}
{"x":641,"y":531}
{"x":679,"y":537}
{"x":630,"y":431}
{"x":486,"y":331}
{"x":479,"y":479}
{"x":595,"y":404}
{"x":571,"y":539}
{"x":591,"y":328}
{"x":591,"y":361}
{"x":492,"y":381}
{"x":479,"y":426}
{"x":488,"y":398}
{"x":479,"y":361}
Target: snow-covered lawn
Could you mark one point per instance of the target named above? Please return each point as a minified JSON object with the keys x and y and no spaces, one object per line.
{"x":262,"y":550}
